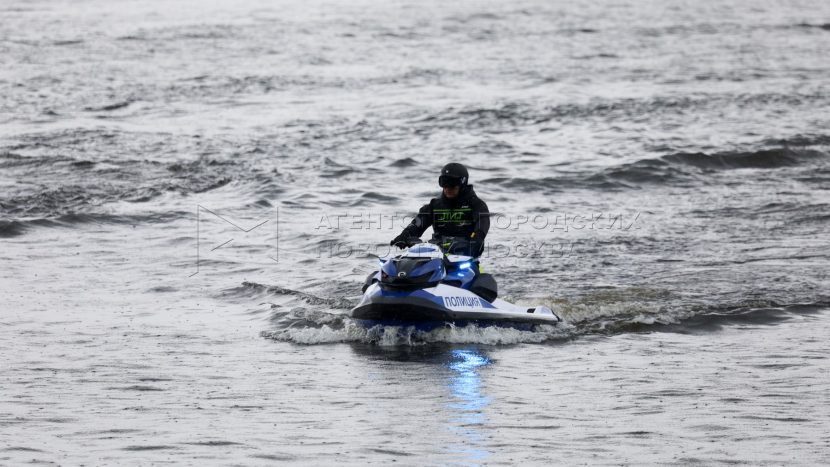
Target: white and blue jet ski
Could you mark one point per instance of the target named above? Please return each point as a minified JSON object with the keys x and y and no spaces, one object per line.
{"x":427,"y":286}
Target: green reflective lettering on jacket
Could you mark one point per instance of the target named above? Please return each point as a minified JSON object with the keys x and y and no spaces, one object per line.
{"x":452,"y":216}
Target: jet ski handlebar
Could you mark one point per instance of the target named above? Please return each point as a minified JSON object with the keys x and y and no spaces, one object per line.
{"x":449,"y":245}
{"x":458,"y":245}
{"x":409,"y":242}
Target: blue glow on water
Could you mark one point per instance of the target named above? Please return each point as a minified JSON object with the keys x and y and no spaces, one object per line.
{"x":467,"y":361}
{"x":468,"y":402}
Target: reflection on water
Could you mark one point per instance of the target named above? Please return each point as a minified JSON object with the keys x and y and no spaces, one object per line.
{"x":458,"y":369}
{"x":468,"y":403}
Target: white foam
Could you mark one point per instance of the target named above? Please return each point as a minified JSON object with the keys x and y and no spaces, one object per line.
{"x":410,"y":335}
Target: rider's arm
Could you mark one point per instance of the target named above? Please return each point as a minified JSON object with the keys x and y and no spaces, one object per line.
{"x":421,"y":222}
{"x":482,"y":217}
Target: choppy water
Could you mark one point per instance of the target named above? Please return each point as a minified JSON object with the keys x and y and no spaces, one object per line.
{"x":191,"y":195}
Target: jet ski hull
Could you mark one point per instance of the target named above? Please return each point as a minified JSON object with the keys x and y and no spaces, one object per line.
{"x":443,"y":304}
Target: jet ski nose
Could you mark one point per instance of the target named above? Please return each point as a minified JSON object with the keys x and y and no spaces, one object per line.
{"x":412,"y":272}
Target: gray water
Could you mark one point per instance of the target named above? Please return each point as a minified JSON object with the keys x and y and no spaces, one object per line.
{"x":192,"y":193}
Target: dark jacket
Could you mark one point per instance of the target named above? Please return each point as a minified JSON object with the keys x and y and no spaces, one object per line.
{"x":457,"y":217}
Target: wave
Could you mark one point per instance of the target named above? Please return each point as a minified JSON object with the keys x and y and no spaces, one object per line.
{"x":9,"y":229}
{"x":74,"y":172}
{"x":825,"y":26}
{"x":543,"y":184}
{"x":636,"y":174}
{"x":109,"y":107}
{"x":311,"y":328}
{"x":465,"y":19}
{"x":68,"y":42}
{"x":686,"y":168}
{"x":324,"y":320}
{"x":372,"y":196}
{"x":404,"y":163}
{"x":311,"y":319}
{"x":171,"y":34}
{"x":763,"y":159}
{"x":794,"y":212}
{"x":767,"y":313}
{"x":15,"y":228}
{"x":679,"y":169}
{"x":84,"y":189}
{"x":250,"y":289}
{"x":412,"y":336}
{"x":517,"y":114}
{"x":799,"y":141}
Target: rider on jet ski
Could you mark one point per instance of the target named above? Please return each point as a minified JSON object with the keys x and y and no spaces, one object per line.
{"x":434,"y":284}
{"x":457,"y":213}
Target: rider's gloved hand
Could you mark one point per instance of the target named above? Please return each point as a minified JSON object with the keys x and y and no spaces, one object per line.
{"x":399,"y":241}
{"x":476,"y":244}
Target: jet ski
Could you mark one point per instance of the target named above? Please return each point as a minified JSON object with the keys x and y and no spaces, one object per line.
{"x":429,"y":285}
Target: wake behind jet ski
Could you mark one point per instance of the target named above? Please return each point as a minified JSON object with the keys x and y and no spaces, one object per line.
{"x":428,"y":285}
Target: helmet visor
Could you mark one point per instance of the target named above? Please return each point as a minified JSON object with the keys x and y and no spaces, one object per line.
{"x":446,"y":181}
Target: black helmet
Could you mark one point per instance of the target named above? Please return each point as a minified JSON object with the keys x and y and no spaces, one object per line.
{"x":453,"y":174}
